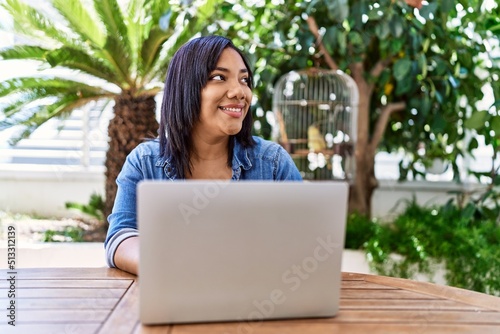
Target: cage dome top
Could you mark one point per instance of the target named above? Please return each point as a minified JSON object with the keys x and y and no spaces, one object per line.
{"x":316,"y":85}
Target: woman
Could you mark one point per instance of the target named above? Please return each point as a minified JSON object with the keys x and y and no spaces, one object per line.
{"x":205,"y":133}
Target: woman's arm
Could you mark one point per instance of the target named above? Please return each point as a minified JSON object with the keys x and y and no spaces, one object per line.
{"x":127,"y":255}
{"x":123,"y":219}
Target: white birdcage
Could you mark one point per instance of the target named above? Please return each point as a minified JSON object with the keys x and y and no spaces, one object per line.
{"x":316,"y":122}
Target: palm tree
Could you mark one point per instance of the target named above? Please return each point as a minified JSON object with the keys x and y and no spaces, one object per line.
{"x":125,"y":45}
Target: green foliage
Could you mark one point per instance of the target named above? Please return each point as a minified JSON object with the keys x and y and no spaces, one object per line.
{"x":430,"y":61}
{"x":94,"y":208}
{"x":463,"y":237}
{"x":68,"y":234}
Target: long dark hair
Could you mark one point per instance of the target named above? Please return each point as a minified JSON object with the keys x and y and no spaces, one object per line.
{"x":187,"y":75}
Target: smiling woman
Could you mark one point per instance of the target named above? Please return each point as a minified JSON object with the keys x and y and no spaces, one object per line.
{"x":205,"y":133}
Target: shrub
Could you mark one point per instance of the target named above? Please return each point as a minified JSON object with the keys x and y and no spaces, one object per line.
{"x":465,"y":238}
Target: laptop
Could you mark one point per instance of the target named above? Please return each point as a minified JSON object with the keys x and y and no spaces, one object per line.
{"x":217,"y":251}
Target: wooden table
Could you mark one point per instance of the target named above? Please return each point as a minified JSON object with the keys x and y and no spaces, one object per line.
{"x":102,"y":300}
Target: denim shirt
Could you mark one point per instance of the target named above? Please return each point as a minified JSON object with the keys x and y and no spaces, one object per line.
{"x":264,"y":161}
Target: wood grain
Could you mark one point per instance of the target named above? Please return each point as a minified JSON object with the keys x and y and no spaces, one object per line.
{"x":102,"y":300}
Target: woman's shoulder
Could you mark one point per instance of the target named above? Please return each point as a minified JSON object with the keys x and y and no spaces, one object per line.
{"x":265,"y":144}
{"x":150,"y":147}
{"x":266,"y":148}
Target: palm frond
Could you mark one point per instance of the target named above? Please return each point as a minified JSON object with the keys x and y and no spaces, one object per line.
{"x":29,"y":119}
{"x":23,"y":52}
{"x":38,"y":115}
{"x":111,"y":15}
{"x":79,"y":60}
{"x":196,"y":22}
{"x":32,"y":23}
{"x":157,"y":9}
{"x":141,"y":17}
{"x":136,"y":21}
{"x":81,"y":21}
{"x":117,"y":49}
{"x":152,"y":46}
{"x":22,"y":100}
{"x":28,"y":84}
{"x":115,"y":54}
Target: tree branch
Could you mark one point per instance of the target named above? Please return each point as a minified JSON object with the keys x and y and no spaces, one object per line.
{"x":376,"y":71}
{"x":382,"y":122}
{"x":414,"y":3}
{"x":313,"y":26}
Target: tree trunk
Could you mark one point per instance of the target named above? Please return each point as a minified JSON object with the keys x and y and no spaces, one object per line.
{"x":134,"y":120}
{"x":364,"y":185}
{"x":365,"y":182}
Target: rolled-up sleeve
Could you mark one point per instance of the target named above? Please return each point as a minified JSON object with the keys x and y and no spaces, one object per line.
{"x":115,"y":241}
{"x":123,"y":219}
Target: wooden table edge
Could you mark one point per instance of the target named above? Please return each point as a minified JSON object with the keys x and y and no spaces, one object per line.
{"x":442,"y":291}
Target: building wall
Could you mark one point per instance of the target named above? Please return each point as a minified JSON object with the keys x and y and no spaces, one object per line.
{"x":45,"y":193}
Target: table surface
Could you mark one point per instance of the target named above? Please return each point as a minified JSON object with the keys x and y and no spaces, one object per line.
{"x":103,"y":300}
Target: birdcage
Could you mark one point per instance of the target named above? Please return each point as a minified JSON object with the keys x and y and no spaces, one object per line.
{"x":316,"y":122}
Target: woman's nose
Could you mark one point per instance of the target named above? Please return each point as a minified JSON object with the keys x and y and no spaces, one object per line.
{"x":236,"y":91}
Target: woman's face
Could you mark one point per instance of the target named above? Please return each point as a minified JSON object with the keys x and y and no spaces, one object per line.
{"x":225,"y":100}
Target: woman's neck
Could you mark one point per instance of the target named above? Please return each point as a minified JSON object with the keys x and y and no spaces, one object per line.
{"x":209,"y":160}
{"x":209,"y":149}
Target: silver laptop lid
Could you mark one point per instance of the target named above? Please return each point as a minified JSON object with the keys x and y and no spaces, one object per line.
{"x":239,"y":251}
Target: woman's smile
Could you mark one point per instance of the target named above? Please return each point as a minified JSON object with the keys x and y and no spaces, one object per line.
{"x":235,"y":111}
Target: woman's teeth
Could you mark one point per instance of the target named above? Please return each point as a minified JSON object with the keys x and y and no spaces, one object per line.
{"x":231,"y":109}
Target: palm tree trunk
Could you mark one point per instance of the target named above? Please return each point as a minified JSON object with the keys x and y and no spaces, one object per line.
{"x":134,"y":120}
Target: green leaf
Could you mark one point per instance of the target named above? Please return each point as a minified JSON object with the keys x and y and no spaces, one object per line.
{"x":495,"y":124}
{"x":477,"y":120}
{"x":81,"y":21}
{"x":111,"y":15}
{"x":382,"y":29}
{"x":338,"y":10}
{"x":117,"y":46}
{"x":396,"y":26}
{"x":403,"y":87}
{"x":330,"y":38}
{"x":468,"y":212}
{"x":425,"y":106}
{"x":438,"y":123}
{"x":428,"y":11}
{"x":473,"y":144}
{"x":115,"y":53}
{"x":23,"y":52}
{"x":422,"y":64}
{"x":401,"y":68}
{"x":33,"y":23}
{"x":496,"y":180}
{"x":28,"y":84}
{"x":447,"y":5}
{"x":152,"y":46}
{"x":75,"y":59}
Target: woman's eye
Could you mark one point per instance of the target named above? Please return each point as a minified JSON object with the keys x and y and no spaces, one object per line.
{"x":246,"y":80}
{"x":217,"y":77}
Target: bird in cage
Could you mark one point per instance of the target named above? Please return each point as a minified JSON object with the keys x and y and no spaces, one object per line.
{"x":315,"y":139}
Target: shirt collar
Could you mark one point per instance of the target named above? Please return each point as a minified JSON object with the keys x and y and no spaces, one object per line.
{"x":240,"y":159}
{"x":168,"y":168}
{"x":240,"y":156}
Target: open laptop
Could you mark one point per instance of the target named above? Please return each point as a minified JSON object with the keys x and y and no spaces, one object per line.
{"x":239,"y":251}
